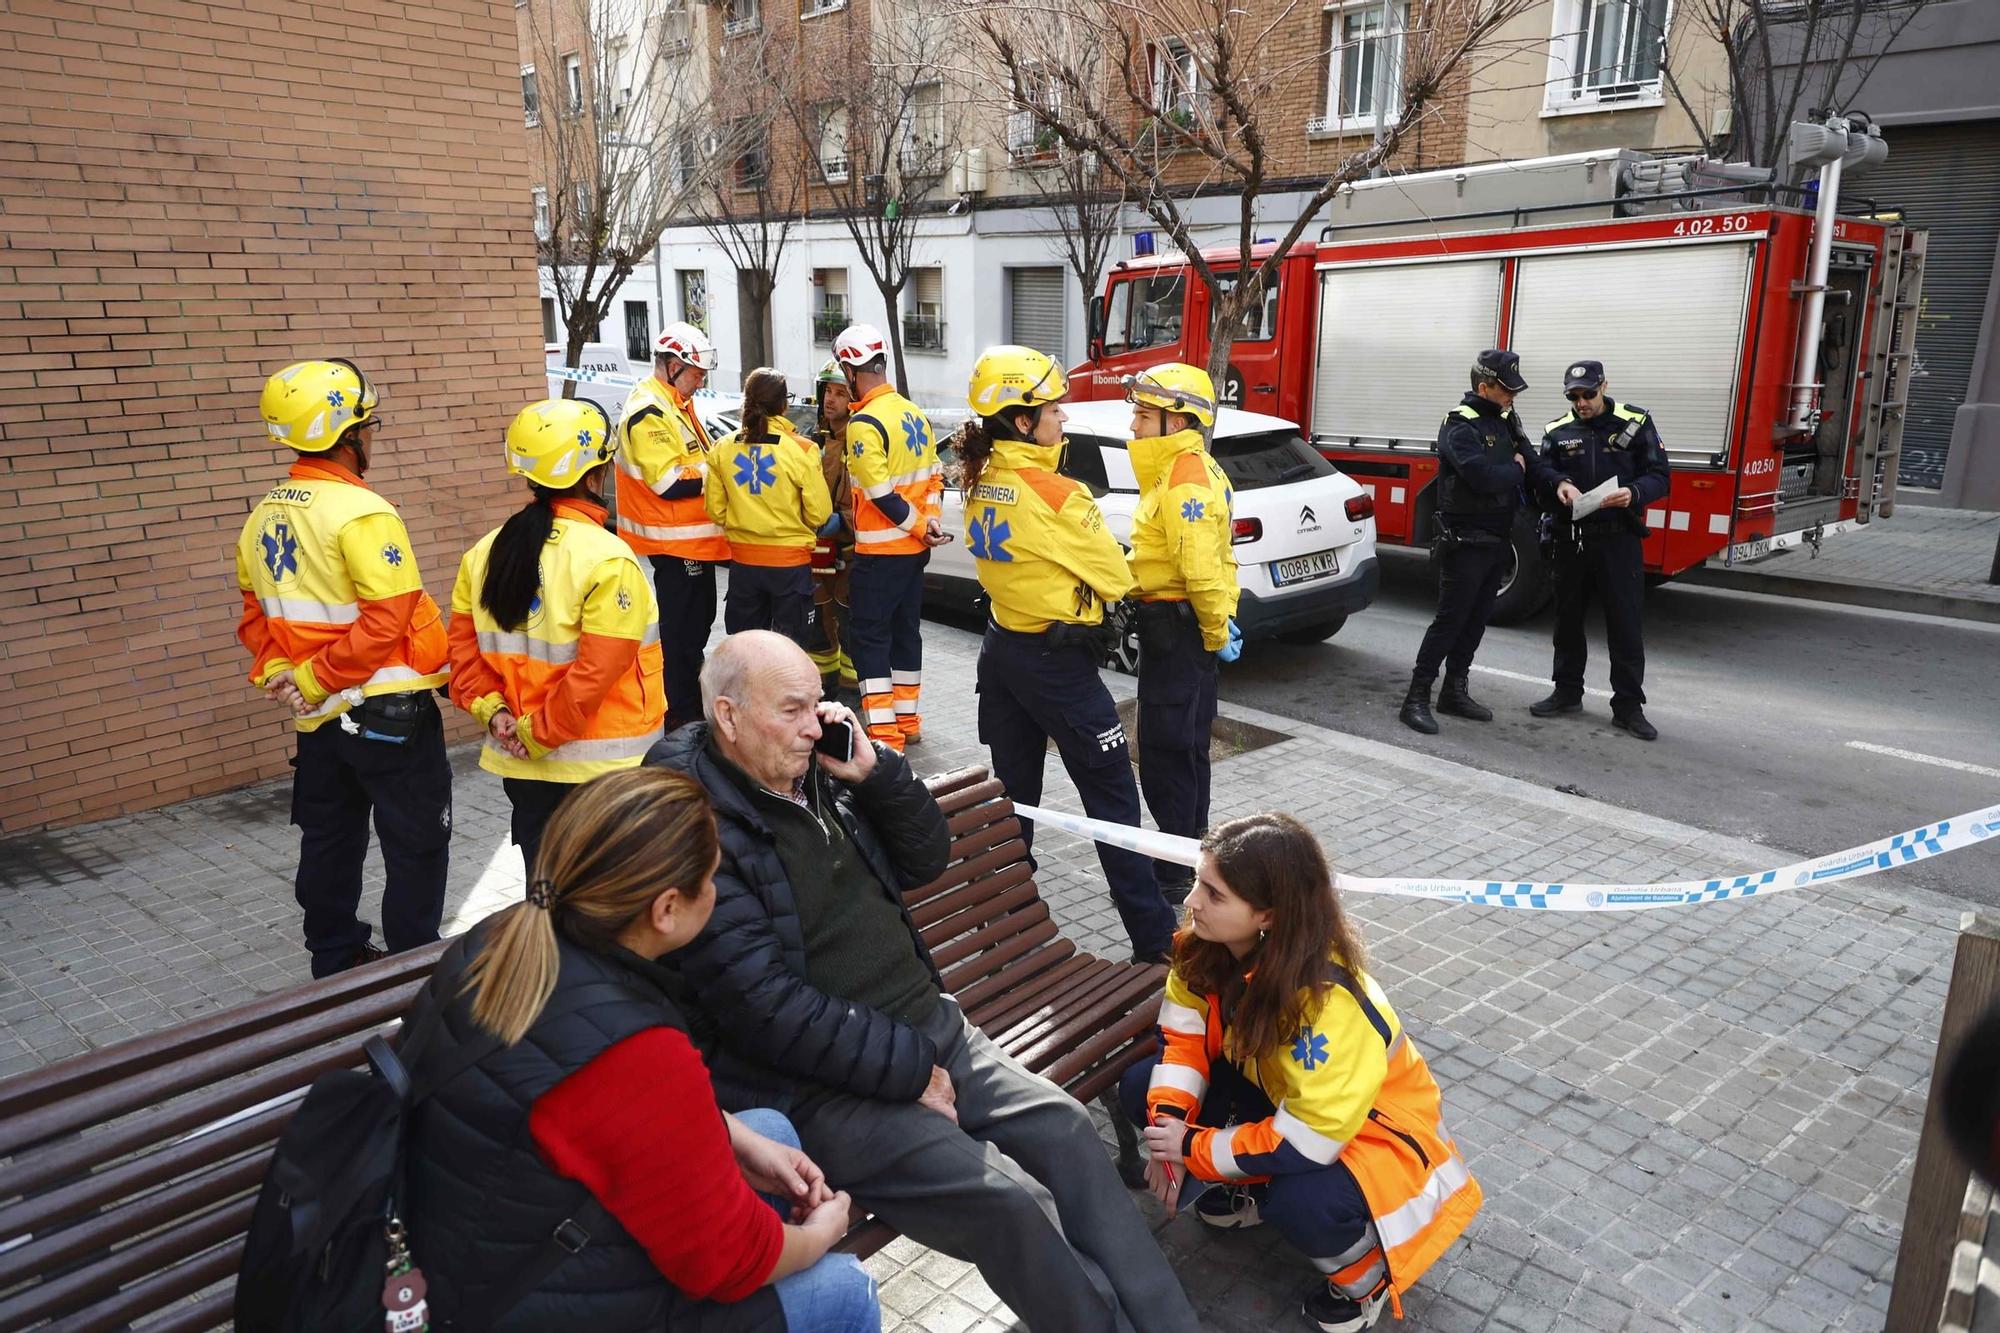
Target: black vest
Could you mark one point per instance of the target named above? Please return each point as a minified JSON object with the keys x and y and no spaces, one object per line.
{"x":1496,"y":440}
{"x":482,"y":1201}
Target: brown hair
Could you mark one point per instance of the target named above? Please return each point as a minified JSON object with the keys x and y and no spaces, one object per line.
{"x":764,"y":397}
{"x":614,"y":845}
{"x":975,"y":440}
{"x":1274,"y":863}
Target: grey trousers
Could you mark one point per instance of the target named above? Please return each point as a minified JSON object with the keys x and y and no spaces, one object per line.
{"x":1021,"y":1186}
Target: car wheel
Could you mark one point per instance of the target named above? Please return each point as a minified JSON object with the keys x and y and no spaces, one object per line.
{"x":1123,"y":654}
{"x":1529,"y":583}
{"x":1317,"y":632}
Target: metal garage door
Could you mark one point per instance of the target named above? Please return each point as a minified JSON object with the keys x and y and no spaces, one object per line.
{"x":1395,"y":346}
{"x":1037,"y":315}
{"x":1945,"y":178}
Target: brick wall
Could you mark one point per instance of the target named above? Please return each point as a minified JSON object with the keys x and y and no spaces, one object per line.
{"x":192,"y":196}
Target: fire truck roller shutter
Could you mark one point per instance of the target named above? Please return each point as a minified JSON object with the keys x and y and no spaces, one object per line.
{"x":1396,"y":342}
{"x":1671,"y":335}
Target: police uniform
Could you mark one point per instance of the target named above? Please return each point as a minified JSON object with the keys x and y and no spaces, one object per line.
{"x":1048,"y":566}
{"x":769,"y":494}
{"x":1479,"y":491}
{"x":893,"y":465}
{"x":331,"y":593}
{"x":1185,"y":570}
{"x":1600,"y":556}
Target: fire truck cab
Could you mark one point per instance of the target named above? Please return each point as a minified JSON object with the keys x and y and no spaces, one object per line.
{"x":1689,"y":279}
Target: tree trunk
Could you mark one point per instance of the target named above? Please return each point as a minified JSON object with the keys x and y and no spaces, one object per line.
{"x":1225,"y":317}
{"x":754,"y":314}
{"x":891,"y":300}
{"x":581,"y":321}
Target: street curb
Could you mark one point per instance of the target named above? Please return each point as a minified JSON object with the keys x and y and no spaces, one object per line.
{"x":1879,"y":596}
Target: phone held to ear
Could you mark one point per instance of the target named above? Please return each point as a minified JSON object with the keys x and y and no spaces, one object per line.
{"x":836,"y":741}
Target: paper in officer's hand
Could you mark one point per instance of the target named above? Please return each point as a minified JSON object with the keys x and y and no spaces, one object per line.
{"x":1592,"y":500}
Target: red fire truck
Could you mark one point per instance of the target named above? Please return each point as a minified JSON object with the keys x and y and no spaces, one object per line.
{"x":1690,"y":280}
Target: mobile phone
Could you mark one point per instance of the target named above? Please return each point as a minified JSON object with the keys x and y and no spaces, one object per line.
{"x":836,"y":741}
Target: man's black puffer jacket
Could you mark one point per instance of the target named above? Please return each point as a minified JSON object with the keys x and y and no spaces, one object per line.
{"x":765,"y":1028}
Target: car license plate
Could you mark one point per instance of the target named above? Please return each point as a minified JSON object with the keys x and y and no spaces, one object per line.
{"x":1749,"y":550}
{"x":1303,"y":568}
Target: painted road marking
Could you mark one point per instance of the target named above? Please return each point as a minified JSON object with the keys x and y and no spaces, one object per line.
{"x":1932,"y":759}
{"x":1532,"y":680}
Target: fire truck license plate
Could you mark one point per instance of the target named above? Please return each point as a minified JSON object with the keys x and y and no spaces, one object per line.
{"x":1303,"y":568}
{"x":1750,"y":550}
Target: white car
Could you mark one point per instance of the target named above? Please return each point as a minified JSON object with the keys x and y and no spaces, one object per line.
{"x":1305,"y":531}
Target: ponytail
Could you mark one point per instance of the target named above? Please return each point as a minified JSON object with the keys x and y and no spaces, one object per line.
{"x":976,"y":437}
{"x":514,"y":566}
{"x":764,"y":397}
{"x":613,"y":846}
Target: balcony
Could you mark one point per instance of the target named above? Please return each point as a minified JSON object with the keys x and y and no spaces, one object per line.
{"x":827,"y":325}
{"x":1027,"y":139}
{"x":740,"y":18}
{"x":924,"y":159}
{"x":834,"y":169}
{"x":809,"y":9}
{"x":923,"y":333}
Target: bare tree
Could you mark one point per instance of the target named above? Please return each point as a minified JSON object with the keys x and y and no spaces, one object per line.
{"x":1193,"y":81}
{"x":878,"y":122}
{"x":611,"y":99}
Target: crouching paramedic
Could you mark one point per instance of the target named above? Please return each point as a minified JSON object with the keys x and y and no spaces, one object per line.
{"x":555,"y":641}
{"x":1285,"y":1078}
{"x":341,"y":631}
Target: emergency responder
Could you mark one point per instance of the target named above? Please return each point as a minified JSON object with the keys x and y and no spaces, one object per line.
{"x":555,"y":638}
{"x":661,"y":515}
{"x":1186,"y":576}
{"x":1048,"y":566}
{"x":768,"y":493}
{"x":341,"y":631}
{"x":833,"y":553}
{"x":1483,"y":457}
{"x":1596,"y":441}
{"x":892,"y":461}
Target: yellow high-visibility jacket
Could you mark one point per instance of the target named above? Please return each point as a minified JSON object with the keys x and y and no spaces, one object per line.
{"x":769,"y":495}
{"x":1180,"y":532}
{"x":661,"y":464}
{"x":893,"y":464}
{"x":1039,"y":542}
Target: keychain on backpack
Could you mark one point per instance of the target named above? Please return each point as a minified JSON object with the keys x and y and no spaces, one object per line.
{"x":403,"y":1304}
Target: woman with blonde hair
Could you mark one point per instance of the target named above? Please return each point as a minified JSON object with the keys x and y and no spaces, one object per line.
{"x":1285,"y":1077}
{"x":570,"y":1167}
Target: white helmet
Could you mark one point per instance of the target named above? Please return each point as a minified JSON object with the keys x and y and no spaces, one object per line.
{"x":685,"y":342}
{"x":858,"y":344}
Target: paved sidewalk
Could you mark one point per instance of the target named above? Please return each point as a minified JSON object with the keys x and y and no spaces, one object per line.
{"x":1694,"y":1119}
{"x":1935,"y":561}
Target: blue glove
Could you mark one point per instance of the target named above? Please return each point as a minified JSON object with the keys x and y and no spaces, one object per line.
{"x":828,"y":528}
{"x":1232,"y":650}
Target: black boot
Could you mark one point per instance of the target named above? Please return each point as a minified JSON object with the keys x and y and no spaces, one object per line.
{"x":1416,"y":714}
{"x":1457,"y":700}
{"x":1634,"y":721}
{"x":1558,"y":702}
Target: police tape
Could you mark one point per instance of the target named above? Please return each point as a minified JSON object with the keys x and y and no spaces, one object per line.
{"x":591,"y":377}
{"x":1918,"y":844}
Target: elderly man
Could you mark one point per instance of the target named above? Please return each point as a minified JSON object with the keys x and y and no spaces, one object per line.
{"x":820,"y":999}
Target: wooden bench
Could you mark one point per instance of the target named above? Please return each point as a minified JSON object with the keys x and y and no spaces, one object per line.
{"x":129,"y":1173}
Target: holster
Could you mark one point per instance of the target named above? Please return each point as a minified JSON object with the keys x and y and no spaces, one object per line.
{"x":392,"y":718}
{"x":1092,"y":639}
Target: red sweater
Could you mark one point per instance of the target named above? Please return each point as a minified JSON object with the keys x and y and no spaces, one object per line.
{"x":639,"y":1127}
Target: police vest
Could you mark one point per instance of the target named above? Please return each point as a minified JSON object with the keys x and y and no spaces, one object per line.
{"x":1499,"y":445}
{"x":664,"y":444}
{"x":1620,"y":451}
{"x":890,"y":450}
{"x":595,"y":607}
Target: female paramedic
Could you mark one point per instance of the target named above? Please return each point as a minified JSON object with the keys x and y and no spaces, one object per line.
{"x":766,"y":489}
{"x":1285,"y":1077}
{"x":1182,"y":561}
{"x":1048,"y":565}
{"x":555,"y":639}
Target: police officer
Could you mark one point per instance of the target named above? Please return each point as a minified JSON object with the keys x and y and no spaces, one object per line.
{"x":1596,"y":441}
{"x":341,"y":631}
{"x":1483,"y":457}
{"x":1048,"y":566}
{"x":833,"y":553}
{"x":661,"y":466}
{"x":1186,"y":573}
{"x":892,"y":460}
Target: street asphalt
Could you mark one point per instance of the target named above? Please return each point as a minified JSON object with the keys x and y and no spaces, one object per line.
{"x":1764,"y":705}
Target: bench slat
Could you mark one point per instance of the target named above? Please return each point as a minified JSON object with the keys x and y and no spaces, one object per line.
{"x":162,"y":1290}
{"x":209,"y":1312}
{"x":992,"y":840}
{"x":66,"y":1294}
{"x":1024,"y":932}
{"x":132,"y":1220}
{"x":993,"y":993}
{"x":1015,"y":897}
{"x":998,"y":869}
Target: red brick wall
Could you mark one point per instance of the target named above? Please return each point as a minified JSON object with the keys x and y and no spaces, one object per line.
{"x":191,"y":197}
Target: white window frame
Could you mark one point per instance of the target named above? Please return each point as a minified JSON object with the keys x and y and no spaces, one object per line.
{"x":921,"y":154}
{"x":531,"y":113}
{"x":1174,"y":53}
{"x":1396,"y":24}
{"x":741,"y":16}
{"x":676,"y":26}
{"x":541,"y":197}
{"x":572,"y":83}
{"x":1567,"y":44}
{"x":1024,"y":132}
{"x":812,"y":9}
{"x":825,"y":113}
{"x":822,"y":291}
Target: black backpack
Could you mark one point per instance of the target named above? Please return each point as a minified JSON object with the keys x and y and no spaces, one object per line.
{"x":327,"y":1225}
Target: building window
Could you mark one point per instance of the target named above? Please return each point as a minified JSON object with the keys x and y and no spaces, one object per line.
{"x":548,"y":319}
{"x":1364,"y":66}
{"x":676,"y":27}
{"x":832,"y":118}
{"x":531,"y":97}
{"x":1027,"y":137}
{"x":738,"y":17}
{"x":814,"y":8}
{"x":638,"y":331}
{"x":681,"y":163}
{"x":1176,"y":81}
{"x":923,"y":131}
{"x":829,"y":304}
{"x":1607,"y":53}
{"x":541,"y":214}
{"x":748,"y":171}
{"x":573,"y":82}
{"x":693,"y":285}
{"x":923,"y":314}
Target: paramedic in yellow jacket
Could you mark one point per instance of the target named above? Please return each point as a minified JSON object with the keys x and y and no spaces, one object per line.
{"x":662,"y":461}
{"x":1048,"y":566}
{"x":341,"y":631}
{"x":893,"y":464}
{"x":555,"y":640}
{"x":1286,"y":1079}
{"x":766,"y":489}
{"x":1186,"y":575}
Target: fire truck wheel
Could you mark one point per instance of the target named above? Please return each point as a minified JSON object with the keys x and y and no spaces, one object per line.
{"x":1530,"y":583}
{"x":1317,"y":632}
